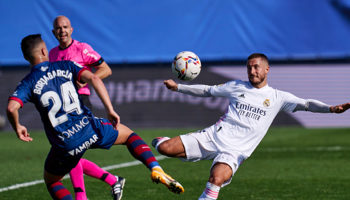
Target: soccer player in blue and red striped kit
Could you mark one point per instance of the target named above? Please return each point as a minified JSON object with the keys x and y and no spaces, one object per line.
{"x":70,"y":126}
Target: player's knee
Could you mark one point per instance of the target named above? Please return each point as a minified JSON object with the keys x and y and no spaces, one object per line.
{"x":164,"y":148}
{"x":171,"y":148}
{"x":123,"y":129}
{"x":168,"y":148}
{"x":217,"y":180}
{"x":124,"y":133}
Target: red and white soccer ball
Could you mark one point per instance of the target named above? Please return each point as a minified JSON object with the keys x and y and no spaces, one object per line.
{"x":186,"y":66}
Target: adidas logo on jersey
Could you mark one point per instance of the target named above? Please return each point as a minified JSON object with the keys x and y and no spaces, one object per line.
{"x":241,"y":96}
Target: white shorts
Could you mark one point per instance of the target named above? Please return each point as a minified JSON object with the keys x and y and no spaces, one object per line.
{"x":199,"y":146}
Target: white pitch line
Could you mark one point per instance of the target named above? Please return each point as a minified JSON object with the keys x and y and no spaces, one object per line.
{"x":117,"y":166}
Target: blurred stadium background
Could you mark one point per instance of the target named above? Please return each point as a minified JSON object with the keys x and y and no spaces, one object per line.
{"x":307,"y":42}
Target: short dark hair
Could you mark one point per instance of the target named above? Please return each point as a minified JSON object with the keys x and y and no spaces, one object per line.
{"x":28,"y":44}
{"x":258,"y":55}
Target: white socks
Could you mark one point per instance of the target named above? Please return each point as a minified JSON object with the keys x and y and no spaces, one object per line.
{"x":211,"y":192}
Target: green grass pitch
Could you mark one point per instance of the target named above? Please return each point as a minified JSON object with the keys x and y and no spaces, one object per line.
{"x":290,"y":163}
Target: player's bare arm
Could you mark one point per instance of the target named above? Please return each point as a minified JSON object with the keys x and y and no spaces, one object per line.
{"x":339,"y":108}
{"x":80,"y":84}
{"x":171,"y":84}
{"x":101,"y":91}
{"x":13,"y":116}
{"x":103,"y":70}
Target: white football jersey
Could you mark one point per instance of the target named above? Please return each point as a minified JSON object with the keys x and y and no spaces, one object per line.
{"x":249,"y":115}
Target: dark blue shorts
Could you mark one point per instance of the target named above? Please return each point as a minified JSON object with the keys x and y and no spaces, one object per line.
{"x":102,"y":135}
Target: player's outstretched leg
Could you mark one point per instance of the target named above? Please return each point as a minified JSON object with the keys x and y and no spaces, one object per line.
{"x":141,"y":151}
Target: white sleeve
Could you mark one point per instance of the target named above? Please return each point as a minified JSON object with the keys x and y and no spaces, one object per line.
{"x":194,"y":90}
{"x":313,"y":105}
{"x":292,"y":103}
{"x":222,"y":90}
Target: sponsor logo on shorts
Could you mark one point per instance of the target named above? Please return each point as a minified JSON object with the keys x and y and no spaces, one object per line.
{"x":84,"y":146}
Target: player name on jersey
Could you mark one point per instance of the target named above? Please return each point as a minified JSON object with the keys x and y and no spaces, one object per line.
{"x":43,"y":81}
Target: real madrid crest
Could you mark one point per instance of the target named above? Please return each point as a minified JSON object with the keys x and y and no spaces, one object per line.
{"x":266,"y":103}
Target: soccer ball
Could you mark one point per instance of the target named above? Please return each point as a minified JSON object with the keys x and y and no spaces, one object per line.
{"x":186,"y":66}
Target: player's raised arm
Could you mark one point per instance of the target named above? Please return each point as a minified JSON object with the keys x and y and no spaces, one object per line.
{"x":194,"y":90}
{"x":13,"y":117}
{"x":316,"y":106}
{"x":101,"y":91}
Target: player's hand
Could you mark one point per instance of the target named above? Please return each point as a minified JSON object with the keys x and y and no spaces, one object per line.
{"x":114,"y":118}
{"x":170,"y":84}
{"x":340,"y":108}
{"x":23,"y":134}
{"x":80,"y":84}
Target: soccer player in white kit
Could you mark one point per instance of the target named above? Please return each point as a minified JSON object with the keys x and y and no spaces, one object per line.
{"x":252,"y":108}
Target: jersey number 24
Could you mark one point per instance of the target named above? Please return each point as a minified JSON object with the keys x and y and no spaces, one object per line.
{"x":70,"y":103}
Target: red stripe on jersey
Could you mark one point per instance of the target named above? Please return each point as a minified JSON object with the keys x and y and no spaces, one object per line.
{"x":17,"y":99}
{"x":106,"y":123}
